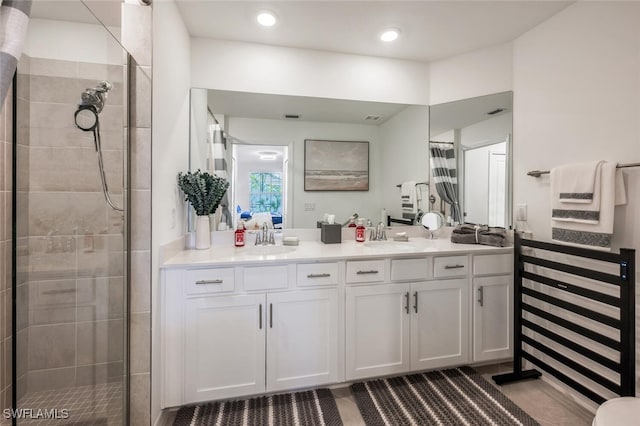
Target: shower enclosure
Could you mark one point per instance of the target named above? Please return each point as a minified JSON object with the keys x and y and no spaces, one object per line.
{"x":70,"y":220}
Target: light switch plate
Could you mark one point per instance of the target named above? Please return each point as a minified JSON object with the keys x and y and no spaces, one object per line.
{"x":521,"y":212}
{"x":309,"y":207}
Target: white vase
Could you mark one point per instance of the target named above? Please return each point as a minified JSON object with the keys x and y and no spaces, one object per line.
{"x":203,"y":234}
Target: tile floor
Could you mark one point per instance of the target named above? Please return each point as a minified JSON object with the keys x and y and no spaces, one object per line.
{"x":88,"y":405}
{"x":540,"y":400}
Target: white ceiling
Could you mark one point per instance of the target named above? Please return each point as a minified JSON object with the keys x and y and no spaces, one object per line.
{"x":430,"y":30}
{"x":274,"y":107}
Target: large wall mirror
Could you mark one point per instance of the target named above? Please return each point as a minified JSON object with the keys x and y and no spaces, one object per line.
{"x":258,"y":142}
{"x":470,"y":143}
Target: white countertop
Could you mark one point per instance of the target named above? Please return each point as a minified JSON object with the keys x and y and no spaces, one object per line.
{"x":219,"y":255}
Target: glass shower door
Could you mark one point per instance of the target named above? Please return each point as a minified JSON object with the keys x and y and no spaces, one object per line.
{"x":71,"y":292}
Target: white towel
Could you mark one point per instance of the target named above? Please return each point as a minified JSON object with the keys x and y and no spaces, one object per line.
{"x":576,"y":182}
{"x":409,"y":197}
{"x":579,"y":210}
{"x":610,"y":192}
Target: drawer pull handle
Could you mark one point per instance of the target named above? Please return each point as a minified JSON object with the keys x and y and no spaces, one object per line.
{"x":270,"y":315}
{"x":373,"y":271}
{"x":318,"y":275}
{"x":406,"y":307}
{"x":201,"y":282}
{"x":415,"y":306}
{"x":481,"y":296}
{"x":453,"y":266}
{"x":260,"y":315}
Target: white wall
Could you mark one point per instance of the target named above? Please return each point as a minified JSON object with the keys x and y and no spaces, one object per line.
{"x":248,"y":67}
{"x":577,"y":98}
{"x":199,"y":130}
{"x":170,"y":151}
{"x":72,"y":41}
{"x":405,"y":156}
{"x":342,"y":204}
{"x":478,"y":73}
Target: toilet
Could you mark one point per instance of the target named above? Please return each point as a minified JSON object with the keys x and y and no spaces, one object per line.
{"x":618,"y":412}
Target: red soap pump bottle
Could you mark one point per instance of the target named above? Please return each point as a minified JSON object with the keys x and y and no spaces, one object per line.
{"x":360,"y":231}
{"x":240,"y":234}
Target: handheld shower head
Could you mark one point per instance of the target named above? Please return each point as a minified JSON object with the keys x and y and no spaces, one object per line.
{"x":95,"y":97}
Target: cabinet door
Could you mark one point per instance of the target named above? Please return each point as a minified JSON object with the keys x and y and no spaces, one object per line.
{"x":377,"y":330}
{"x":225,"y":347}
{"x":302,"y":338}
{"x":439,"y":323}
{"x":492,"y":318}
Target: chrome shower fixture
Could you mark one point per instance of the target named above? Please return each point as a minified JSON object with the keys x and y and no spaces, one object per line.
{"x":95,"y":97}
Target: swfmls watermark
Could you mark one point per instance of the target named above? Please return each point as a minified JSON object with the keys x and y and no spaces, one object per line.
{"x":36,"y":414}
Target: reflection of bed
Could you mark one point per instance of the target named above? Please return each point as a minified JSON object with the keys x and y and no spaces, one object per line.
{"x":276,"y":218}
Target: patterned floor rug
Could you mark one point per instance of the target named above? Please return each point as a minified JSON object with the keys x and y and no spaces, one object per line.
{"x":310,"y":408}
{"x":458,"y":396}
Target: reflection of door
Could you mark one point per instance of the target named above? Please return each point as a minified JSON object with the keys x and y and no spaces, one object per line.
{"x":497,"y":188}
{"x":260,"y":181}
{"x":485,"y":184}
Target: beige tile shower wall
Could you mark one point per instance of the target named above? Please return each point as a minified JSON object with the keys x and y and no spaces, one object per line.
{"x":6,"y":136}
{"x":136,"y":35}
{"x":70,"y":243}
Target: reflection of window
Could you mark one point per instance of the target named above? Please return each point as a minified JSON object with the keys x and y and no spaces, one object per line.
{"x":265,"y":194}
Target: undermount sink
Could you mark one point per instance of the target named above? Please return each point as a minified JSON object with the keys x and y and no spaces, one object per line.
{"x":389,"y":245}
{"x":269,"y":249}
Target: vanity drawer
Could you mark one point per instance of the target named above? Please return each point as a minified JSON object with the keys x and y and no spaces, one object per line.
{"x":493,"y":264}
{"x":409,"y":269}
{"x":265,"y":277}
{"x":365,"y":271}
{"x":450,"y":266}
{"x":212,"y":280}
{"x":312,"y":274}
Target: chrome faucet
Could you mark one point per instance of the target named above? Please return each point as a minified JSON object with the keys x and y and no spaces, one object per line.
{"x":267,"y":237}
{"x":378,"y":233}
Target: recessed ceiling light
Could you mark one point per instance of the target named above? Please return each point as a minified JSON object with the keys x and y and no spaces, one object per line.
{"x":268,"y":155}
{"x":389,"y":35}
{"x":266,"y":19}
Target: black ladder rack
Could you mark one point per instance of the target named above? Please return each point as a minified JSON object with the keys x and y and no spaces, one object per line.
{"x":624,"y":366}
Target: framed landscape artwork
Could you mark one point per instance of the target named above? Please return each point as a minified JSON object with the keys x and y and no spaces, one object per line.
{"x":336,"y":165}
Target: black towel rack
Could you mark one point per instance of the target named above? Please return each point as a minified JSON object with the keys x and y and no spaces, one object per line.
{"x":623,"y":364}
{"x":538,"y":173}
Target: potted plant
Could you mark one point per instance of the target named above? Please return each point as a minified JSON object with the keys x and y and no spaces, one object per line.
{"x":204,"y":192}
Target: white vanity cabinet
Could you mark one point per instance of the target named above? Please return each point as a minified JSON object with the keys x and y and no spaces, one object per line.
{"x":224,"y":351}
{"x":492,"y":307}
{"x":406,"y":326}
{"x":262,"y":335}
{"x":241,"y":327}
{"x":377,"y":330}
{"x":302,"y":338}
{"x":439,"y":323}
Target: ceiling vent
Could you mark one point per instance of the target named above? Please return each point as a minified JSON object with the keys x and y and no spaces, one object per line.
{"x":292,"y":116}
{"x":372,"y":117}
{"x":495,"y":111}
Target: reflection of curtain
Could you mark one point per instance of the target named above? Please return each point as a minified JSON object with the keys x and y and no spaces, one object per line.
{"x":219,"y":167}
{"x":14,"y":17}
{"x":443,"y":168}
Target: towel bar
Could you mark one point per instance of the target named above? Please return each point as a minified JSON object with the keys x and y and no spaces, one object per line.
{"x":419,"y":183}
{"x":537,"y":173}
